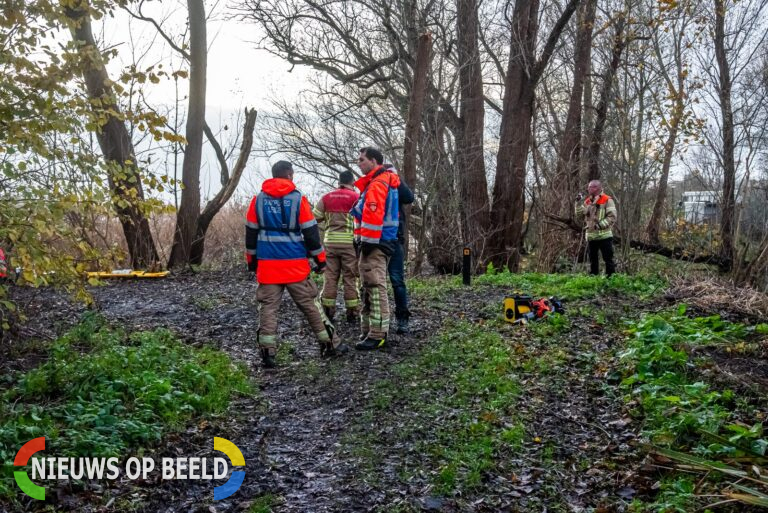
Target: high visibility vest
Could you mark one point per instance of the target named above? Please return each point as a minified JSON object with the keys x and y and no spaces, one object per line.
{"x":338,"y":225}
{"x":279,"y":229}
{"x":375,"y":232}
{"x":601,"y":200}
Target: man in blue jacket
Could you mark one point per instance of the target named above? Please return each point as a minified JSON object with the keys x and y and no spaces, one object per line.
{"x":396,"y":267}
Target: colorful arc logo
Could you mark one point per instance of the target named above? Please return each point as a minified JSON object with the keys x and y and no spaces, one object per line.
{"x":22,"y":478}
{"x":219,"y":492}
{"x":236,"y":479}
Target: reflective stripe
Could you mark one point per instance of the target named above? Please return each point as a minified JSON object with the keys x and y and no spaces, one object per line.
{"x":351,"y":303}
{"x":370,"y":239}
{"x":286,"y":237}
{"x":338,"y":237}
{"x":390,"y":221}
{"x":316,"y":252}
{"x":249,"y":224}
{"x":259,"y":206}
{"x":294,"y":217}
{"x":308,"y":224}
{"x":339,"y":233}
{"x":250,"y":251}
{"x":267,"y":340}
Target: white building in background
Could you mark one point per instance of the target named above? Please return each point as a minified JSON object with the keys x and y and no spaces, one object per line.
{"x":700,"y":207}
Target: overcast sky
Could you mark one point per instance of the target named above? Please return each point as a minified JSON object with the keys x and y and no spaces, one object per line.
{"x":239,"y":75}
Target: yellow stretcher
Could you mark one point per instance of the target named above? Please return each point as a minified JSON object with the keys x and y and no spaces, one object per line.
{"x":128,"y":273}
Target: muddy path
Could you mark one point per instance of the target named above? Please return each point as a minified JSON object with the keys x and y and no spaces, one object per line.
{"x":296,"y":434}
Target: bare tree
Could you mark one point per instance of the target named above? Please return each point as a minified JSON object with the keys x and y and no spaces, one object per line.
{"x":192,"y":224}
{"x":189,"y":208}
{"x":523,"y":73}
{"x":674,"y":68}
{"x":366,"y":53}
{"x":469,"y":141}
{"x":415,"y":114}
{"x":115,"y":143}
{"x":738,"y":38}
{"x":595,"y":136}
{"x":569,"y":154}
{"x":229,"y":182}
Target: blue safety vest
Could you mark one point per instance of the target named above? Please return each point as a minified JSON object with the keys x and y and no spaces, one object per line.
{"x":391,"y":213}
{"x":279,"y":230}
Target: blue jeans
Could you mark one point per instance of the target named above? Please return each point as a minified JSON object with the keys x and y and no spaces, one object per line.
{"x":396,"y":270}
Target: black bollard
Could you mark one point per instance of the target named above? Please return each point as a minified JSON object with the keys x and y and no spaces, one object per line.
{"x":466,"y":266}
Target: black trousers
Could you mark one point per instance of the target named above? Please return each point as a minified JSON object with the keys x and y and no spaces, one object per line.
{"x":604,"y":246}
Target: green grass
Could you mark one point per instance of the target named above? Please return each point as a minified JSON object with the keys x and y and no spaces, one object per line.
{"x":464,"y":379}
{"x":102,"y":392}
{"x":575,"y":286}
{"x":263,"y":504}
{"x":206,"y":302}
{"x":665,"y":388}
{"x":564,"y":286}
{"x":458,"y":398}
{"x":433,"y":287}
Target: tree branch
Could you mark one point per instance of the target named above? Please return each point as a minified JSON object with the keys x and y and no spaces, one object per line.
{"x":554,"y":37}
{"x":219,"y":153}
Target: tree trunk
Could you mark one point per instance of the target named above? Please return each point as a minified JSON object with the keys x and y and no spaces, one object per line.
{"x":729,"y":165}
{"x":654,"y":223}
{"x":469,"y":144}
{"x":601,"y":112}
{"x":115,"y":142}
{"x":415,"y":112}
{"x":569,"y":153}
{"x":228,"y":188}
{"x":441,"y":211}
{"x":189,"y":208}
{"x":523,"y":72}
{"x":559,"y":195}
{"x":515,"y":137}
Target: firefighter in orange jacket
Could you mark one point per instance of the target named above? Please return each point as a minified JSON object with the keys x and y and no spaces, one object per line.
{"x":376,"y":216}
{"x":281,"y":234}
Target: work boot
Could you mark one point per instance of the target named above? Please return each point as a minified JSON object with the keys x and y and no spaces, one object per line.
{"x":328,"y":351}
{"x":371,"y":344}
{"x":268,"y":358}
{"x":402,"y":326}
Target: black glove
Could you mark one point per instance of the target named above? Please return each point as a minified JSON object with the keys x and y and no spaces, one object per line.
{"x":368,"y":247}
{"x":252,"y":265}
{"x":316,"y":265}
